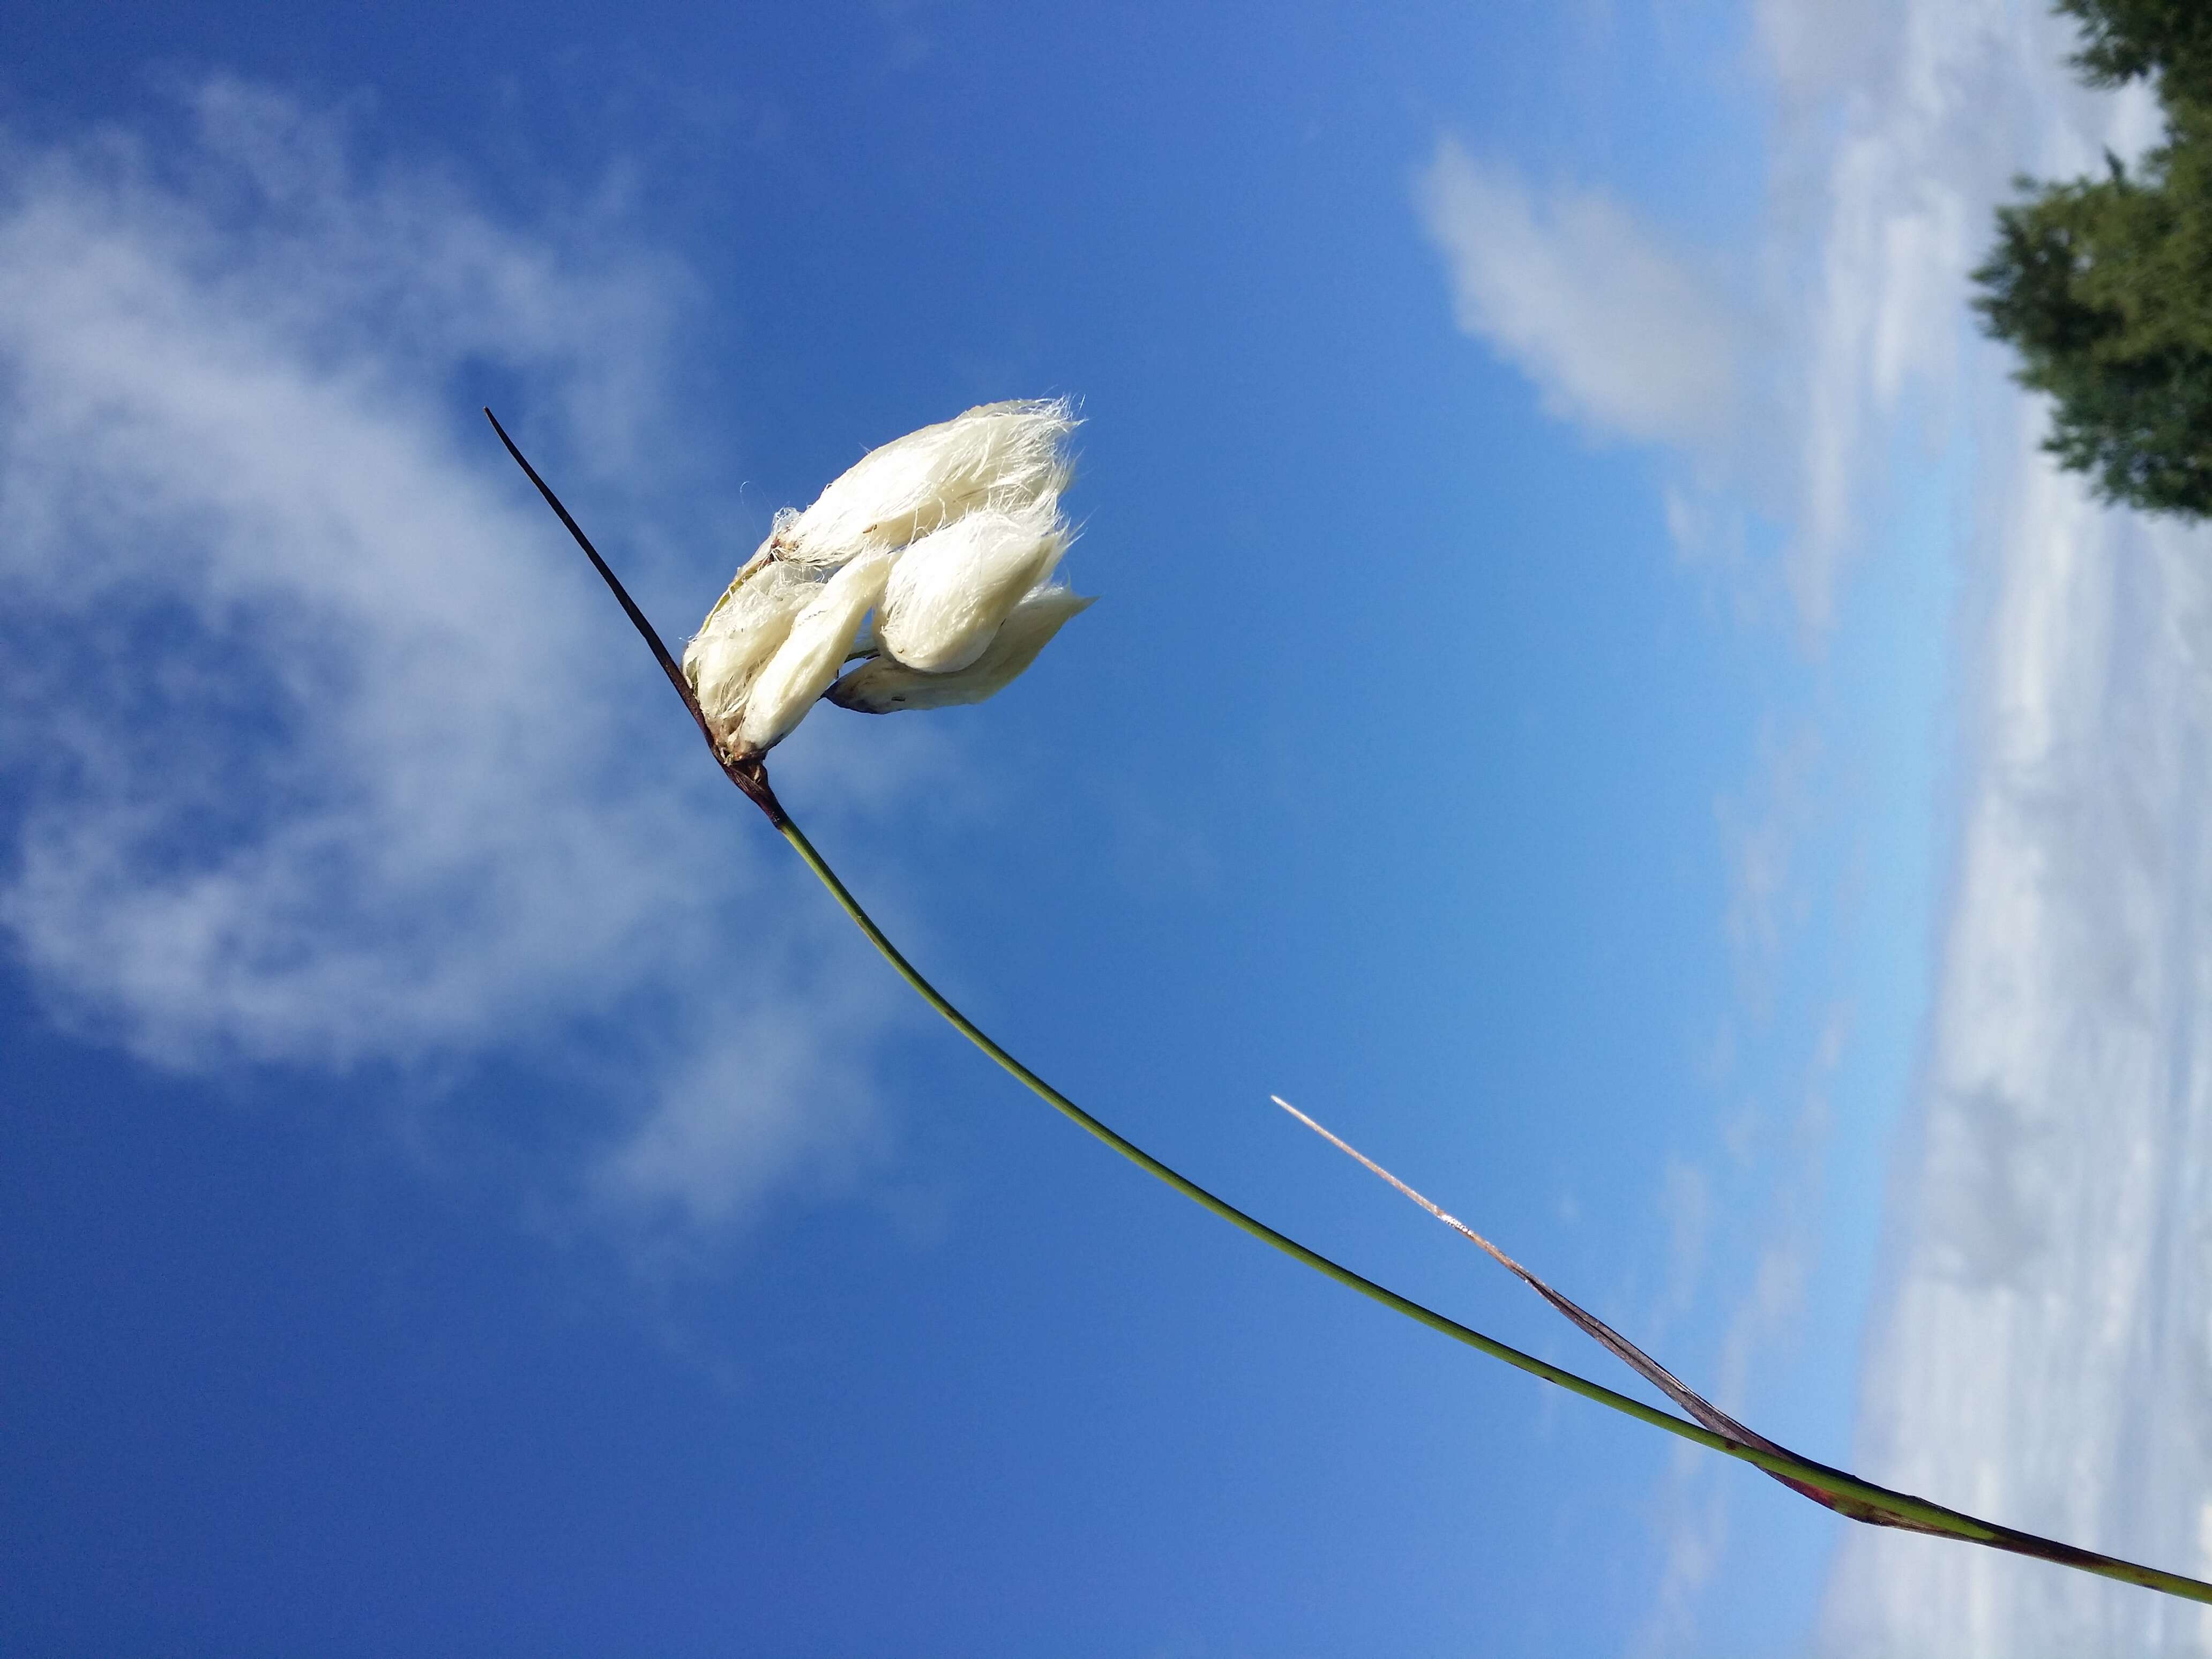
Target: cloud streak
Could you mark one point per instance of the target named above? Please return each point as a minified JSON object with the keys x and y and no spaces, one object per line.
{"x":315,"y":753}
{"x":1618,"y":333}
{"x":1782,"y":377}
{"x":2040,"y":1353}
{"x":2043,"y":1351}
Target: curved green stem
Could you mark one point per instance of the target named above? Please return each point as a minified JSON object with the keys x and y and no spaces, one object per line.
{"x":1899,"y":1508}
{"x":1860,"y":1499}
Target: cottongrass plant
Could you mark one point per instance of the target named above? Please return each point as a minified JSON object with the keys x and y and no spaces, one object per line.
{"x":929,"y":564}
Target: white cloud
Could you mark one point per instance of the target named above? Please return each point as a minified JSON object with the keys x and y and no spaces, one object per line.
{"x":2041,"y":1355}
{"x":1811,"y":48}
{"x":321,"y":749}
{"x":1618,"y":333}
{"x":1786,"y":375}
{"x":1900,"y":126}
{"x":1776,"y":396}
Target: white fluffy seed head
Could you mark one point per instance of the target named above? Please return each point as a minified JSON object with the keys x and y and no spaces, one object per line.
{"x":743,"y":630}
{"x":951,"y":589}
{"x":1004,"y":454}
{"x":885,"y":686}
{"x":812,"y":651}
{"x":949,"y":535}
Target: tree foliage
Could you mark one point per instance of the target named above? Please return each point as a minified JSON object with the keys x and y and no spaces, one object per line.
{"x":2156,"y":38}
{"x":2104,"y":286}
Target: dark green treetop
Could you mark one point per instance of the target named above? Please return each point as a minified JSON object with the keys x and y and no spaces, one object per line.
{"x":2104,"y":286}
{"x":2128,"y":38}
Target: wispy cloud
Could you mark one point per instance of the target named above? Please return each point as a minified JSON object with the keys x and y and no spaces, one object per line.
{"x":2041,"y":1354}
{"x":1780,"y":374}
{"x":319,"y":753}
{"x":1619,"y":333}
{"x":2035,"y":1357}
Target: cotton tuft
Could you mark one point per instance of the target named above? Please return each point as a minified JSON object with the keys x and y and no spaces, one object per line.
{"x":954,"y":587}
{"x":949,"y":536}
{"x":810,"y":654}
{"x":740,"y":635}
{"x":885,"y":686}
{"x":1003,"y":455}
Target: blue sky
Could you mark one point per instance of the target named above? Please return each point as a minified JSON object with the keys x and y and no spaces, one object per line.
{"x":1571,"y":580}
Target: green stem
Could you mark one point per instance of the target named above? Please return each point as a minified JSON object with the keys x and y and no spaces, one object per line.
{"x":1894,"y":1507}
{"x":1912,"y":1512}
